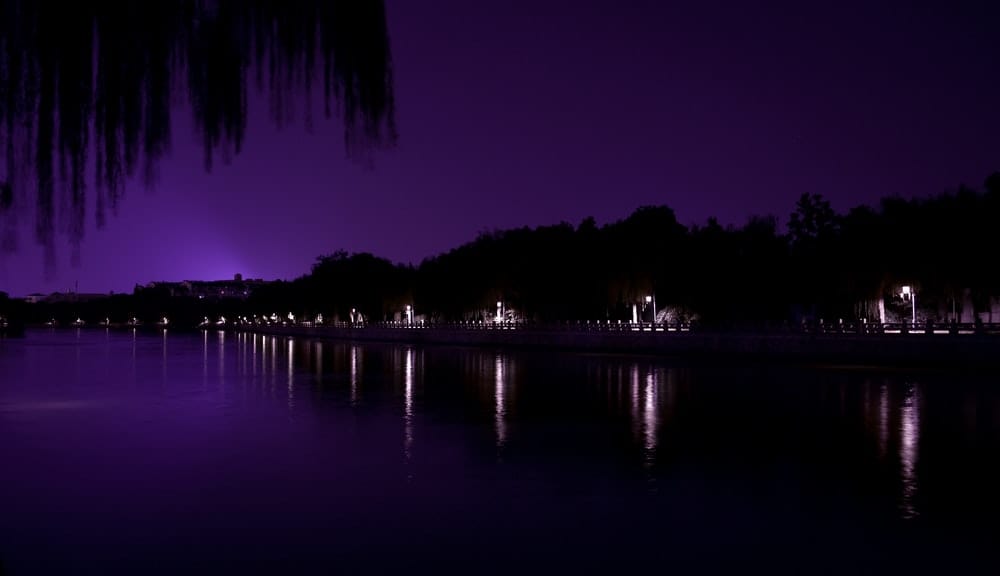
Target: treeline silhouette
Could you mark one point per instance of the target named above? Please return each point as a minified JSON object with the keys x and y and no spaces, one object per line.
{"x":97,"y":81}
{"x":825,"y":266}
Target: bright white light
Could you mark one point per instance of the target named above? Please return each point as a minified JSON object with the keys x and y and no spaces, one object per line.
{"x":649,"y":299}
{"x":906,"y":290}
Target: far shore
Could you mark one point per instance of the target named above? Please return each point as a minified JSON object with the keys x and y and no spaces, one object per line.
{"x":914,"y":350}
{"x":899,"y":350}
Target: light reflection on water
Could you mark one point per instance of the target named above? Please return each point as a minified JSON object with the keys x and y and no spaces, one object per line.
{"x":318,"y":346}
{"x":883,"y":422}
{"x":291,"y":374}
{"x":501,"y":408}
{"x":909,"y":450}
{"x":222,"y":356}
{"x":726,"y":440}
{"x":408,"y":355}
{"x":650,"y":419}
{"x":204,"y":358}
{"x":355,"y":372}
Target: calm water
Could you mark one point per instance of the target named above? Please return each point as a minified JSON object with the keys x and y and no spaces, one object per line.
{"x":207,"y":453}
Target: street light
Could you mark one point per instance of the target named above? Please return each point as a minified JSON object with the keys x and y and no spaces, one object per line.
{"x":909,"y":291}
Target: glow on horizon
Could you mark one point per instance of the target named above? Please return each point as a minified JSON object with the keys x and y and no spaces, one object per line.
{"x":107,"y":264}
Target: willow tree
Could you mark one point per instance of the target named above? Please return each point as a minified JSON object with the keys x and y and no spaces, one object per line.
{"x":87,"y":89}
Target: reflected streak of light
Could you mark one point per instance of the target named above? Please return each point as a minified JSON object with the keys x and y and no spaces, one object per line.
{"x":204,"y":359}
{"x":319,"y":362}
{"x":253,"y":359}
{"x":908,"y":452}
{"x":274,"y":362}
{"x":634,"y":396}
{"x":650,"y":419}
{"x":354,"y":375}
{"x":263,"y":360}
{"x":408,"y":405}
{"x":243,"y":356}
{"x":291,"y":374}
{"x":263,"y":363}
{"x":222,"y":356}
{"x":883,"y":420}
{"x":163,"y":369}
{"x":501,"y":409}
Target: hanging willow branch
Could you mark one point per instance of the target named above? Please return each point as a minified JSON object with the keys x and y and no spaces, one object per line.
{"x":102,"y":76}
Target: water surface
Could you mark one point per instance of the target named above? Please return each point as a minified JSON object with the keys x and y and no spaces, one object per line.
{"x":154,"y":452}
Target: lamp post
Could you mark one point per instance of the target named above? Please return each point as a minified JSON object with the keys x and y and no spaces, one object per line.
{"x":649,"y":300}
{"x":911,"y":293}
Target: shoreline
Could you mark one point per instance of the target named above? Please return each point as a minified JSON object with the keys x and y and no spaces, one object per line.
{"x":959,"y":352}
{"x":915,"y":350}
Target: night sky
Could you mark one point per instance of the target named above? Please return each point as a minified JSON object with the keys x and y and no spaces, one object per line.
{"x":529,"y":112}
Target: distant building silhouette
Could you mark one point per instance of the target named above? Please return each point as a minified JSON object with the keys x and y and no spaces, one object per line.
{"x":237,"y":288}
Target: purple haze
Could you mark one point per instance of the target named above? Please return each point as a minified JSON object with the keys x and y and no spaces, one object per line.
{"x":525,"y":113}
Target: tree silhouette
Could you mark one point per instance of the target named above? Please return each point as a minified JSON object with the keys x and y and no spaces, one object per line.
{"x":812,"y":220}
{"x":828,"y":267}
{"x":100,"y":77}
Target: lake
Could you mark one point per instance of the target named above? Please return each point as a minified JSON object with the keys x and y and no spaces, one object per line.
{"x":156,"y":452}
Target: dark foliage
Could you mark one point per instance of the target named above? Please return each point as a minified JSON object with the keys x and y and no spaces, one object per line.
{"x":101,"y":77}
{"x":828,"y":266}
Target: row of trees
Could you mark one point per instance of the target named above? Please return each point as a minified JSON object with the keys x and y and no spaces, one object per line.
{"x":825,"y":265}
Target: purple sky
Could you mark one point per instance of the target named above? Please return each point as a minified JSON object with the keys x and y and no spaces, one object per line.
{"x":528,"y":112}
